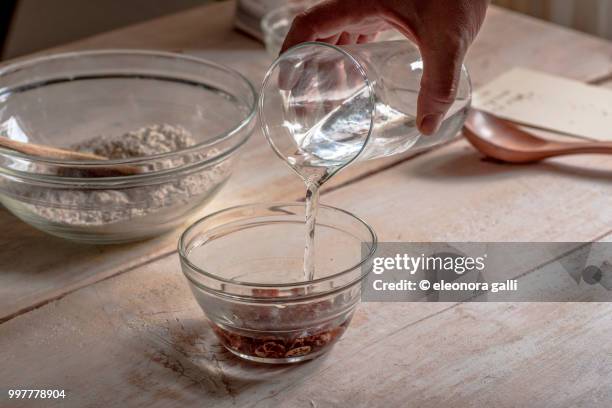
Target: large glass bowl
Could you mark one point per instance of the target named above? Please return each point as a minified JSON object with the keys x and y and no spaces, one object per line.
{"x":245,"y":269}
{"x":65,"y":99}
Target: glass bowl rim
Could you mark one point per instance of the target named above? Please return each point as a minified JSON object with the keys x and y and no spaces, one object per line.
{"x":184,"y":256}
{"x":221,"y":137}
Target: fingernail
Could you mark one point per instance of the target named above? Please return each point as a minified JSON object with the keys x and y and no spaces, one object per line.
{"x":430,"y":123}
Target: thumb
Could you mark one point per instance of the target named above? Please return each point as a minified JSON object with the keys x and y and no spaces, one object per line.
{"x":441,"y":73}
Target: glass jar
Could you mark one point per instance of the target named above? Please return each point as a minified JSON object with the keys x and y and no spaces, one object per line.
{"x":326,"y":105}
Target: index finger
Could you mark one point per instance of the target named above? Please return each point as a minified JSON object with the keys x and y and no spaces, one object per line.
{"x":323,"y":21}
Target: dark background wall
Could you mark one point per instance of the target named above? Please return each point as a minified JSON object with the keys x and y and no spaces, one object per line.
{"x":40,"y":24}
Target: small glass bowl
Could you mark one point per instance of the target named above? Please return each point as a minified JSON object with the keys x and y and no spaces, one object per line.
{"x":245,"y":268}
{"x":66,"y":99}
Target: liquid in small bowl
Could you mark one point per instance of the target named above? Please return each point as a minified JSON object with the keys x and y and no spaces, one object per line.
{"x":245,"y":269}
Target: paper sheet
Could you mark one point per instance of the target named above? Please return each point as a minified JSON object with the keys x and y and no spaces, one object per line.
{"x":549,"y":102}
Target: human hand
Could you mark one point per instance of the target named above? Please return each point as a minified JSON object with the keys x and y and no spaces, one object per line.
{"x":442,"y":29}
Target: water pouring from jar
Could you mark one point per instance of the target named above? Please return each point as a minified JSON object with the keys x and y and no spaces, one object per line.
{"x":333,"y":97}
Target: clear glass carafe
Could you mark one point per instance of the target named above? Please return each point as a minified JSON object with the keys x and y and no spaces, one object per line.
{"x":323,"y":105}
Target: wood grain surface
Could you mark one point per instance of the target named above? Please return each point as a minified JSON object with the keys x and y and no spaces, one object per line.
{"x":117,"y":326}
{"x":27,"y":281}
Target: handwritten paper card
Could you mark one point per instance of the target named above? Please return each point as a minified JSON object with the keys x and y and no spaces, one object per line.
{"x":549,"y":102}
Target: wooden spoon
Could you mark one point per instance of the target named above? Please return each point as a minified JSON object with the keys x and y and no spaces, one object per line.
{"x":504,"y":141}
{"x":65,"y":154}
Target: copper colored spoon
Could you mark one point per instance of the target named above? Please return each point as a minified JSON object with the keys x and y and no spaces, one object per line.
{"x":504,"y":141}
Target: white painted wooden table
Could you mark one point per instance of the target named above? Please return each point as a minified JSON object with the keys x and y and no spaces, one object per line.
{"x":117,"y":326}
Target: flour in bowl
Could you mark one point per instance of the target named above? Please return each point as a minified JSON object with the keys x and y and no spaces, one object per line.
{"x":146,"y":141}
{"x":166,"y":198}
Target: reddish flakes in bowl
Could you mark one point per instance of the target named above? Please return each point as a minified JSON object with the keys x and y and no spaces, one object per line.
{"x":278,"y":347}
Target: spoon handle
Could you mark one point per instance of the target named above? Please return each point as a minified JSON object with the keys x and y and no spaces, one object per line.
{"x":47,"y":151}
{"x":581,"y":148}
